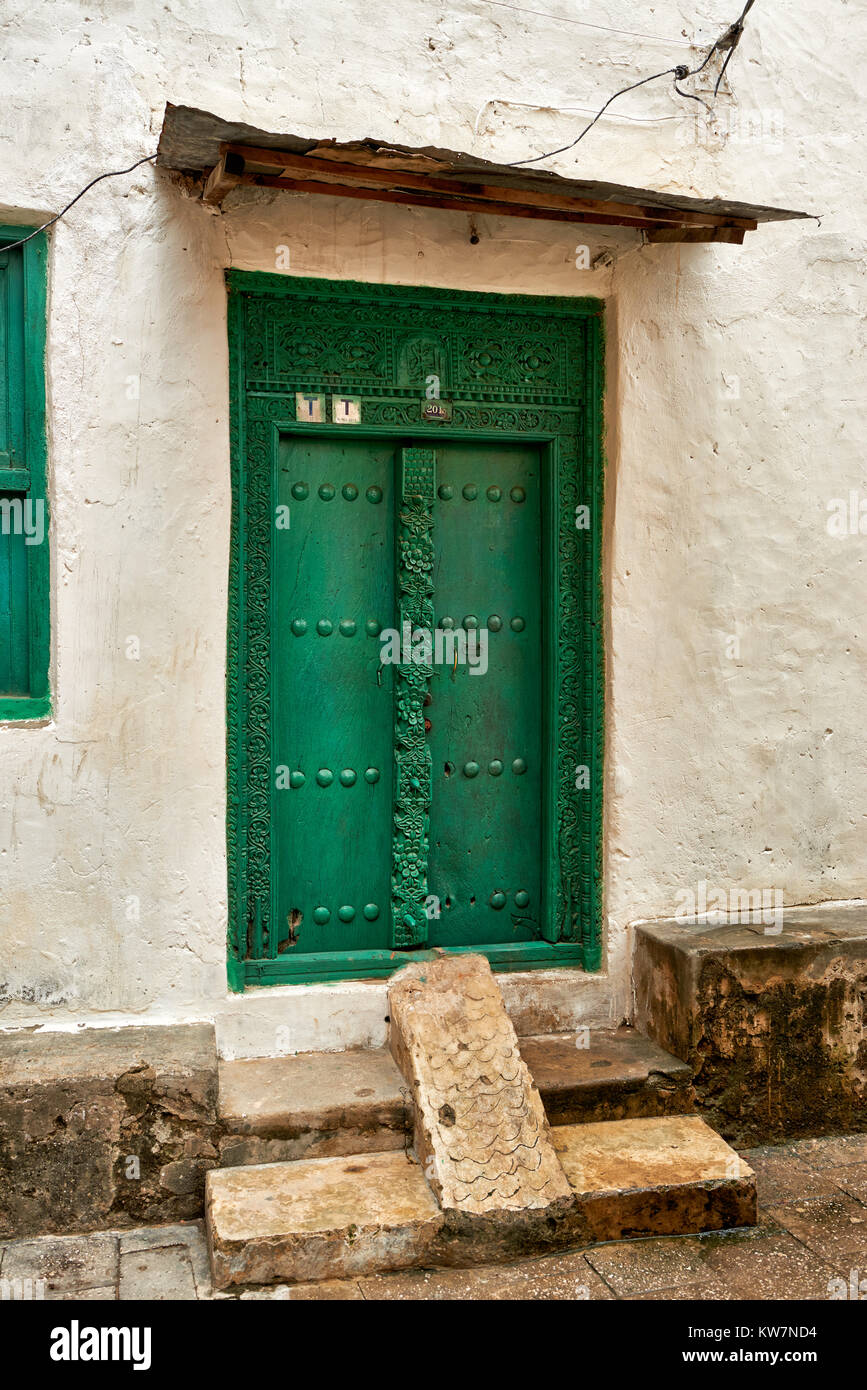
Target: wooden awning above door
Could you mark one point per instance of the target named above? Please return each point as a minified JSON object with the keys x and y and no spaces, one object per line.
{"x":228,"y":155}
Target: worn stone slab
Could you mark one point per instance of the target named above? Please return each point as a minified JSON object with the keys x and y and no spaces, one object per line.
{"x":549,"y":1279}
{"x":158,"y":1237}
{"x":833,"y":1227}
{"x":668,"y":1175}
{"x":851,"y":1178}
{"x":606,"y":1074}
{"x":481,"y":1133}
{"x":772,"y":1024}
{"x":191,"y":1236}
{"x":319,"y":1218}
{"x":162,"y":1275}
{"x":104,"y":1126}
{"x":832,"y":1152}
{"x":312,"y":1105}
{"x":782,"y":1176}
{"x":66,"y":1264}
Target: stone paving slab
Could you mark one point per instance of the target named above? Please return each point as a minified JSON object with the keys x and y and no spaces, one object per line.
{"x":157,"y":1275}
{"x":852,"y":1178}
{"x":560,"y":1278}
{"x":759,"y":1264}
{"x":64,"y":1262}
{"x":781,"y":1176}
{"x":158,"y":1237}
{"x":835,"y":1228}
{"x":831,"y":1152}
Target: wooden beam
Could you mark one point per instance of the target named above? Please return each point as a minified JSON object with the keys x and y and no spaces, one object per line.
{"x":467,"y":205}
{"x":223,"y":178}
{"x":732,"y":234}
{"x":281,"y":164}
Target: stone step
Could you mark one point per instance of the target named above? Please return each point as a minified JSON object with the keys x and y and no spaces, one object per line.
{"x":606,"y":1074}
{"x":312,"y":1105}
{"x":318,"y":1218}
{"x":324,"y":1104}
{"x":770,"y":1016}
{"x":335,"y":1218}
{"x":669,"y":1175}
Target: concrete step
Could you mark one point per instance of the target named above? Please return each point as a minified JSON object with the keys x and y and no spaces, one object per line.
{"x":324,"y":1104}
{"x":335,"y":1218}
{"x":771,"y":1018}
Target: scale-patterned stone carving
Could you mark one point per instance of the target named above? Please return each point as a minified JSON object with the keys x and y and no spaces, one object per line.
{"x":480,"y":1129}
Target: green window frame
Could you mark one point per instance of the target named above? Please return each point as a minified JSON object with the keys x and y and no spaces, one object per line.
{"x":24,"y":518}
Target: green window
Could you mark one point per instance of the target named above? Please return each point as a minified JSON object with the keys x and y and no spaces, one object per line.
{"x":24,"y":567}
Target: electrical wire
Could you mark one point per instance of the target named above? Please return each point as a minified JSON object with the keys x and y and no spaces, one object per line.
{"x":730,"y":40}
{"x":111,"y":174}
{"x":563,"y":106}
{"x":583,"y":24}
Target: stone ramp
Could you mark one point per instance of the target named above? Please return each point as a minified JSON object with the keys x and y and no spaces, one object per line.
{"x":481,"y":1134}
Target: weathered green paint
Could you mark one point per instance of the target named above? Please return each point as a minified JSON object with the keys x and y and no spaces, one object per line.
{"x":523,"y":376}
{"x":24,"y":568}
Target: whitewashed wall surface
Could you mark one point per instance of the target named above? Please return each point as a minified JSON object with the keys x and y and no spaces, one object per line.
{"x":737,"y":671}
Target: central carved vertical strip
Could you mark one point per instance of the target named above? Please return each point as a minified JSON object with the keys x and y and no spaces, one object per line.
{"x":412,"y":762}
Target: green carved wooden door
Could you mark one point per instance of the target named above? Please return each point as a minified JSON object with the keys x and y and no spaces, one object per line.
{"x":406,"y":809}
{"x":414,"y":662}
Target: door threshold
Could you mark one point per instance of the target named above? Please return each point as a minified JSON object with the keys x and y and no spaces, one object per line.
{"x":333,"y":966}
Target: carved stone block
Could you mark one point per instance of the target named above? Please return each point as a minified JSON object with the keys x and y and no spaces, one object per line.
{"x":480,"y":1133}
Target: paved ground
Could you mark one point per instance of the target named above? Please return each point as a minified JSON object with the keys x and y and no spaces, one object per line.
{"x":812,"y":1232}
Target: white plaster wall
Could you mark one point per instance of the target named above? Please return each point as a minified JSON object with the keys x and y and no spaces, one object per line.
{"x":745,"y":771}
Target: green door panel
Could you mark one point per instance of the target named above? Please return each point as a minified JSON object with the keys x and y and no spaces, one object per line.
{"x":485,"y":728}
{"x":332,"y":698}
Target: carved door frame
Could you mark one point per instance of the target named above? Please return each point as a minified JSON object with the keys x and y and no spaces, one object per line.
{"x":513,"y":368}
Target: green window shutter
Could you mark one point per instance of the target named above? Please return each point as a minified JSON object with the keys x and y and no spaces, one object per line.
{"x":24,"y":566}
